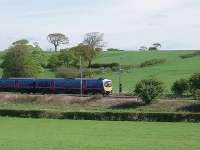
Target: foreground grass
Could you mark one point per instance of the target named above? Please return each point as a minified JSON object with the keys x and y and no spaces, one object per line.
{"x":31,"y":134}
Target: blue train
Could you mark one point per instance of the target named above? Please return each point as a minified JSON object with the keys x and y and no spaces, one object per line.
{"x":56,"y":85}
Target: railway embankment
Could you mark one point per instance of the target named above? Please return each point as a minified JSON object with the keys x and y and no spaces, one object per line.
{"x":111,"y":108}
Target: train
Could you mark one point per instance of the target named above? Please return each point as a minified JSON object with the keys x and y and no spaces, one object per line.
{"x":56,"y":85}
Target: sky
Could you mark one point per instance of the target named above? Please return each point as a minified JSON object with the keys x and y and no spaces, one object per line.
{"x":126,"y":24}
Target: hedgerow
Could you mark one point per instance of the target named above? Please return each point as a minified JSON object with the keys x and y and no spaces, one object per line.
{"x":106,"y":116}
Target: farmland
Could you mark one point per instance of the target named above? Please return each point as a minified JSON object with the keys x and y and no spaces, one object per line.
{"x":174,"y":68}
{"x":89,"y":135}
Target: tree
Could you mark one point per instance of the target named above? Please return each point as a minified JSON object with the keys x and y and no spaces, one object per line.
{"x":143,"y":48}
{"x":57,"y":39}
{"x":153,"y":49}
{"x":39,"y":56}
{"x":95,"y":43}
{"x":85,"y":51}
{"x":21,"y":42}
{"x":55,"y":61}
{"x":94,"y":40}
{"x":194,"y":83}
{"x":18,"y":62}
{"x":157,"y":45}
{"x":180,"y":87}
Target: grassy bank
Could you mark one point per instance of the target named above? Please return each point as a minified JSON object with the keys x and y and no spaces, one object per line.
{"x":174,"y":68}
{"x":89,"y":135}
{"x":65,"y":103}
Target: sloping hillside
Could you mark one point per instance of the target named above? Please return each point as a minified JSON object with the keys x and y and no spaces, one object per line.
{"x":174,"y":68}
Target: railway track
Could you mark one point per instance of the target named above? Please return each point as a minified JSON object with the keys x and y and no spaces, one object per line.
{"x":73,"y":95}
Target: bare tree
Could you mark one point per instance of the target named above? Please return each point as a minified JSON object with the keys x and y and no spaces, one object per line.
{"x":57,"y":39}
{"x":94,"y":40}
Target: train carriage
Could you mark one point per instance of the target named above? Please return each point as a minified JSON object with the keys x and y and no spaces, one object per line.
{"x":56,"y":85}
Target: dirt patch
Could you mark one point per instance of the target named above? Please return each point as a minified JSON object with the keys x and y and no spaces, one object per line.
{"x":93,"y":101}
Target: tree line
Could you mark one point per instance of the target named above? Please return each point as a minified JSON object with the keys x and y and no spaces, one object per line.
{"x":23,"y":59}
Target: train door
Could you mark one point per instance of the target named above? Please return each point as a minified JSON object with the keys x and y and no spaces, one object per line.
{"x":52,"y":86}
{"x":17,"y":86}
{"x":84,"y":86}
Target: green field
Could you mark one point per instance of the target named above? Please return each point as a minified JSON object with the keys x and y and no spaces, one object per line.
{"x":32,"y":134}
{"x":175,"y":67}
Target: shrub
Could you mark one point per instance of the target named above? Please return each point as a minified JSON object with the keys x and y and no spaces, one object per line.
{"x":149,"y":89}
{"x":197,"y":94}
{"x":195,"y":82}
{"x":64,"y":72}
{"x":180,"y":87}
{"x":54,"y":62}
{"x":109,"y":65}
{"x":152,"y":62}
{"x":109,"y":116}
{"x":197,"y":53}
{"x":113,"y":49}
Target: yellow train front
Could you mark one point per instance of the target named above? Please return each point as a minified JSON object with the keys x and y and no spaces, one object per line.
{"x":107,"y":85}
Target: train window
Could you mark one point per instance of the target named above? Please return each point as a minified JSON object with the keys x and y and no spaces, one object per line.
{"x":44,"y":83}
{"x":108,"y":84}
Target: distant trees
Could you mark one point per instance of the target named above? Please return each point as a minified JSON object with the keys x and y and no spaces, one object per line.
{"x":154,"y":47}
{"x":23,"y":59}
{"x":20,"y":42}
{"x":19,"y":61}
{"x":143,"y":48}
{"x":85,"y":51}
{"x":57,"y":39}
{"x":114,"y":49}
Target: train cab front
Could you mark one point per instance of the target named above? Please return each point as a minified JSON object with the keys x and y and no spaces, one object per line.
{"x":107,"y":85}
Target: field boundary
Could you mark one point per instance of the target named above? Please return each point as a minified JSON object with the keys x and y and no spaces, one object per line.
{"x":104,"y":116}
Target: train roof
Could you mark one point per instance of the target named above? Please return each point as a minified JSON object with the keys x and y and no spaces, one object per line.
{"x":54,"y":78}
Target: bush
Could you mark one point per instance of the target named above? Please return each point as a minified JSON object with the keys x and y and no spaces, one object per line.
{"x":197,"y":53}
{"x":180,"y":87}
{"x":109,"y":116}
{"x":197,"y":94}
{"x":194,"y":82}
{"x":54,"y":62}
{"x":149,"y":89}
{"x":152,"y":62}
{"x":64,"y":72}
{"x":113,"y":49}
{"x":111,"y":65}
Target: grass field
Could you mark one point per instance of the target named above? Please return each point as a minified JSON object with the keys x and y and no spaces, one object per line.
{"x":32,"y":134}
{"x":175,"y":67}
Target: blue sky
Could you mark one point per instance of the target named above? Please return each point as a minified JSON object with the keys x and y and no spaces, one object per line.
{"x":127,"y":24}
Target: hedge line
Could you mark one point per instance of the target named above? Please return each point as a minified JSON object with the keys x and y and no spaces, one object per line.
{"x":106,"y":116}
{"x":197,"y":53}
